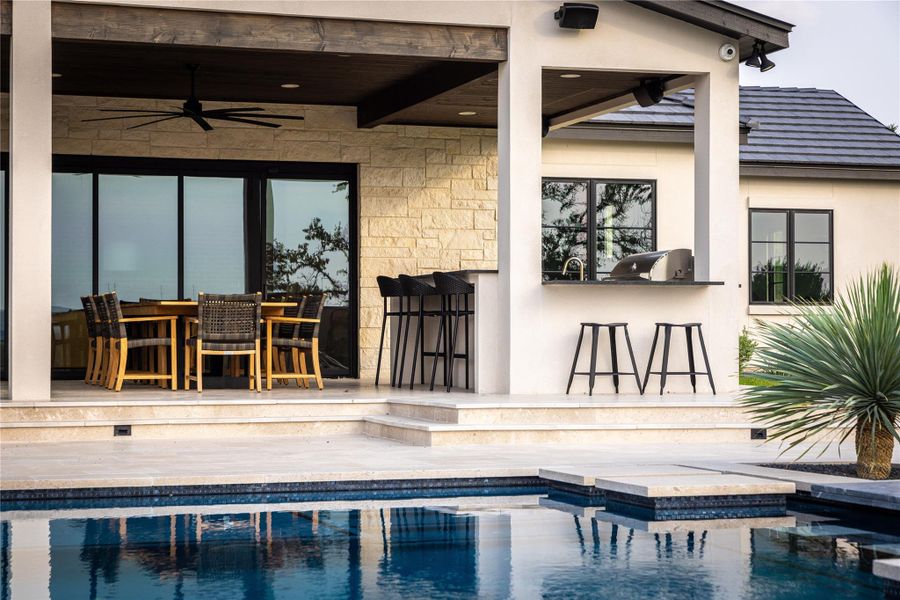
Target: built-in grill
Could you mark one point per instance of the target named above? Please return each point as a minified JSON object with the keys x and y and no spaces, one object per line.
{"x":662,"y":265}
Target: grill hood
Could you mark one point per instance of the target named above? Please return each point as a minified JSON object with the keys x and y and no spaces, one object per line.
{"x":661,"y":265}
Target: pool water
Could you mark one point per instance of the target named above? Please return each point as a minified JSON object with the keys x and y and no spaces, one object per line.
{"x":533,"y":545}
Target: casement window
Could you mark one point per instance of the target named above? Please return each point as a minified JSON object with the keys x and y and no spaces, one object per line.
{"x":599,"y":221}
{"x":791,"y":256}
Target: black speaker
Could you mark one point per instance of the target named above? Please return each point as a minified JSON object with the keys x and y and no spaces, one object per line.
{"x":577,"y":15}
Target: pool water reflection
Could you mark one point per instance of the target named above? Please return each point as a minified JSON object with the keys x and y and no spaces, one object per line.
{"x":525,"y":546}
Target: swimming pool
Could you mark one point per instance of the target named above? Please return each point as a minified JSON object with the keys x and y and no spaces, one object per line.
{"x":526,"y":545}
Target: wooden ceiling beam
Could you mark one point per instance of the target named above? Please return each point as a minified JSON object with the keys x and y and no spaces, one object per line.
{"x":383,"y":105}
{"x":158,"y":26}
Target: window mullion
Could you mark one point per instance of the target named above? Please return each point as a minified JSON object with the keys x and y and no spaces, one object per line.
{"x":592,"y":229}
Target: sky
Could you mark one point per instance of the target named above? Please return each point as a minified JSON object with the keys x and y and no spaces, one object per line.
{"x":850,"y":46}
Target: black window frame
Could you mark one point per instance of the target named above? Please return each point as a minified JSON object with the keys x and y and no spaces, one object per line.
{"x":255,"y":174}
{"x":590,"y":269}
{"x":790,"y":296}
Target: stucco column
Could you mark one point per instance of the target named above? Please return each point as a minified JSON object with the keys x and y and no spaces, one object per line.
{"x":31,"y":115}
{"x":519,"y":216}
{"x":717,"y":212}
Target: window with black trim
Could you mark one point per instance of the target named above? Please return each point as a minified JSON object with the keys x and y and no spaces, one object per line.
{"x":791,"y":256}
{"x":599,"y":221}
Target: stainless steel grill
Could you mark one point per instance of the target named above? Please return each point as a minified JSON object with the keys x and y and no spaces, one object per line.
{"x":662,"y":265}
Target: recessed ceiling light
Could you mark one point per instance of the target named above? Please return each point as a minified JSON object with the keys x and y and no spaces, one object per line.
{"x":57,"y":75}
{"x":570,"y":75}
{"x":467,"y":113}
{"x":290,"y":86}
{"x":344,"y":55}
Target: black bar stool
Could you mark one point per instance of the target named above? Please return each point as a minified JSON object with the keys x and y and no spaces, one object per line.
{"x":592,"y":373}
{"x":455,"y":307}
{"x":389,"y":288}
{"x":692,"y":372}
{"x":415,"y":288}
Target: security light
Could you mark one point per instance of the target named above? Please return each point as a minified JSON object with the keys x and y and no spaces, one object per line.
{"x":765,"y":64}
{"x":577,"y":15}
{"x":758,"y":59}
{"x":754,"y":61}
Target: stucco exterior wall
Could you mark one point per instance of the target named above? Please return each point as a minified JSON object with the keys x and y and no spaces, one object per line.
{"x":427,"y":195}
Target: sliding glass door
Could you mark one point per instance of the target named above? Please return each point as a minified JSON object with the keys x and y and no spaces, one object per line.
{"x":164,"y":229}
{"x":307,"y":249}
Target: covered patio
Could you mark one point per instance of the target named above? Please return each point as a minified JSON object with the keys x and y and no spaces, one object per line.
{"x":420,"y":151}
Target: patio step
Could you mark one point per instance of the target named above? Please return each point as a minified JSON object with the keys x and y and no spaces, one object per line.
{"x":187,"y":428}
{"x":614,"y":410}
{"x":421,"y":432}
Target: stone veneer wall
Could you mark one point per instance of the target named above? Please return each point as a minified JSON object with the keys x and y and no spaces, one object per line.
{"x":427,"y":195}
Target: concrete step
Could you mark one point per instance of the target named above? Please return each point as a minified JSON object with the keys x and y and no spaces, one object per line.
{"x":640,"y":409}
{"x":421,"y":432}
{"x":129,"y":411}
{"x":186,"y":428}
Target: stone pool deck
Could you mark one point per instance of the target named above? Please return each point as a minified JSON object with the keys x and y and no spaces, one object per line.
{"x":282,"y":460}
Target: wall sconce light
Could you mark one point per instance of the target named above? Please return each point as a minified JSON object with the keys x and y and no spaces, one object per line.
{"x":650,"y":92}
{"x":577,"y":15}
{"x":758,"y":58}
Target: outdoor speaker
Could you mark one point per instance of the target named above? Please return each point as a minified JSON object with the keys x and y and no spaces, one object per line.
{"x":650,"y":92}
{"x":577,"y":15}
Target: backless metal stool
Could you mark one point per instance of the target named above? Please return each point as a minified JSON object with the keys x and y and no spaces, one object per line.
{"x":454,"y":292}
{"x":592,"y":372}
{"x":692,"y":371}
{"x":419,"y":290}
{"x":390,"y":288}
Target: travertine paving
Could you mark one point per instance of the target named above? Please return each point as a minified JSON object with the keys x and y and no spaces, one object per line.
{"x":123,"y":462}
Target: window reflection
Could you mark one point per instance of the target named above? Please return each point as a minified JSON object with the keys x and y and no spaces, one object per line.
{"x":138,"y":236}
{"x":214,"y":253}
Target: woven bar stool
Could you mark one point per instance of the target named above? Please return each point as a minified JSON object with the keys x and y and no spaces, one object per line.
{"x":664,"y":370}
{"x":414,"y":288}
{"x":389,"y":288}
{"x":454,"y":293}
{"x":592,"y":372}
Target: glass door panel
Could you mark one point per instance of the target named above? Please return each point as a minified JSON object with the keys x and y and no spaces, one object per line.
{"x":72,"y":266}
{"x":214,"y":247}
{"x":138,"y":236}
{"x":307,"y":248}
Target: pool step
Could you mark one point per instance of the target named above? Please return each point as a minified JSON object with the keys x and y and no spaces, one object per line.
{"x":420,"y":432}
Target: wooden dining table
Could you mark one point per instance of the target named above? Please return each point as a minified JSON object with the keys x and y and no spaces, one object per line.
{"x":188,"y":308}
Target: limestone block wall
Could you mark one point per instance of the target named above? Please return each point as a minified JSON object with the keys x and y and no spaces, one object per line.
{"x":427,"y":195}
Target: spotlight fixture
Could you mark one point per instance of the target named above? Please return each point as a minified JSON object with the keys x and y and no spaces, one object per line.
{"x":570,"y":76}
{"x":650,"y":92}
{"x":290,"y":86}
{"x":577,"y":15}
{"x":758,"y":58}
{"x":467,"y":113}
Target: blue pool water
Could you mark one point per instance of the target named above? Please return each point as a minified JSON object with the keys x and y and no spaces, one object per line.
{"x":527,"y":545}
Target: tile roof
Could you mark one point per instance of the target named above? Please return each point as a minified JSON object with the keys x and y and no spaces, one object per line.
{"x":800,"y":126}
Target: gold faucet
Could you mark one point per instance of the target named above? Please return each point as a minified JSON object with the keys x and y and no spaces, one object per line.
{"x":580,"y":267}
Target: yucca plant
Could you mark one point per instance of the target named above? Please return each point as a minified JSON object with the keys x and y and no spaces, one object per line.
{"x":835,"y":371}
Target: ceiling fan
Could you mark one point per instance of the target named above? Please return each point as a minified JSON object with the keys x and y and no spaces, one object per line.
{"x":193,"y":109}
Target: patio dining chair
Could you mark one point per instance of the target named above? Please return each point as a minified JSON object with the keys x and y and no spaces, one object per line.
{"x":95,"y":343}
{"x":303,"y":337}
{"x":121,"y":343}
{"x":226,"y":325}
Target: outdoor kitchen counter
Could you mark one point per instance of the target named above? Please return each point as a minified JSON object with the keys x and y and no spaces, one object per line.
{"x":617,"y":283}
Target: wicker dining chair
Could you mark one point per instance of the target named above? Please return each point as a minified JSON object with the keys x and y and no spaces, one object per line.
{"x":102,"y":375}
{"x":304,"y":337}
{"x":95,"y":345}
{"x":226,"y":325}
{"x":120,"y":343}
{"x":283,"y":357}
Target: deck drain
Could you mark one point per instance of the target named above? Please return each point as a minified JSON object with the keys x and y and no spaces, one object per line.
{"x":121,"y":430}
{"x":758,"y":434}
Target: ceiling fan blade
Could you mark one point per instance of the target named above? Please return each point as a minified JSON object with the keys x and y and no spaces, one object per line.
{"x":156,"y":121}
{"x":200,"y":121}
{"x":248,"y":121}
{"x":130,"y":110}
{"x":142,"y":116}
{"x":219,"y":111}
{"x":268,"y":116}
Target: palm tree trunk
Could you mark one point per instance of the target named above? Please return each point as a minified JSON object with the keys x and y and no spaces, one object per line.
{"x":873,"y":452}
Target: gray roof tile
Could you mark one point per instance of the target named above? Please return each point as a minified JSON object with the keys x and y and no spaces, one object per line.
{"x":788,"y":125}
